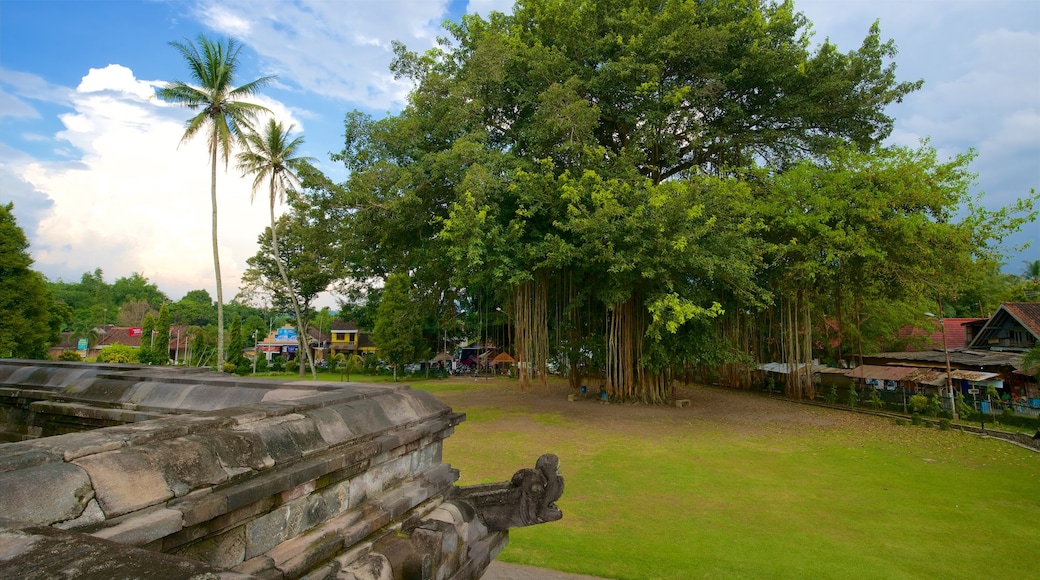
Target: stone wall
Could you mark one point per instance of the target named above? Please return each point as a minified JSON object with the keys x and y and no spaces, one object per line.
{"x":264,"y":479}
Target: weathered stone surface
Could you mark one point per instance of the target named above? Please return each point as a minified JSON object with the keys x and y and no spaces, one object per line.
{"x":91,"y":515}
{"x":125,"y":480}
{"x":44,"y":494}
{"x":41,"y":552}
{"x":291,"y":480}
{"x":224,"y":551}
{"x":142,"y":529}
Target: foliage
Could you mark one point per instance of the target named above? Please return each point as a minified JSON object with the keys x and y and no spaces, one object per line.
{"x":225,"y":115}
{"x":161,"y":347}
{"x":229,"y":367}
{"x":30,"y":319}
{"x":398,"y":334}
{"x":144,"y":353}
{"x":918,"y":402}
{"x":944,"y":424}
{"x":853,"y":397}
{"x":831,"y":395}
{"x":118,"y":353}
{"x":274,"y":161}
{"x":291,"y":366}
{"x":1031,"y":361}
{"x":70,"y":355}
{"x":875,"y":401}
{"x":235,"y":342}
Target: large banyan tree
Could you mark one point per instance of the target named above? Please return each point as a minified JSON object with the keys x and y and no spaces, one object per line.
{"x":600,"y":168}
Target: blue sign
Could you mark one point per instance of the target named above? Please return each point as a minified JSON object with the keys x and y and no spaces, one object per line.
{"x":82,"y":344}
{"x":285,"y":335}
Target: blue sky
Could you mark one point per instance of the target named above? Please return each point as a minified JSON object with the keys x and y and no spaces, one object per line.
{"x":99,"y":179}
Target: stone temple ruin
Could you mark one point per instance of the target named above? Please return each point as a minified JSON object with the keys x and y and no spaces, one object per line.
{"x":157,"y":472}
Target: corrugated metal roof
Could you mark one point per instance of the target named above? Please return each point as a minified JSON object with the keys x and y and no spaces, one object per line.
{"x":784,"y":368}
{"x":880,"y":372}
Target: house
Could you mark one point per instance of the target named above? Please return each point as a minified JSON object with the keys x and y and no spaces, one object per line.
{"x":346,"y":338}
{"x":992,"y":356}
{"x":1014,"y":327}
{"x":283,"y":342}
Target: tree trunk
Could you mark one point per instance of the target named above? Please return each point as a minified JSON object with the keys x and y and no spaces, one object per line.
{"x":300,"y":332}
{"x":216,"y":253}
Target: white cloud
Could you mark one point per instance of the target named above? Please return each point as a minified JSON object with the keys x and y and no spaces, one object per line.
{"x":136,"y":199}
{"x":485,"y":7}
{"x":340,"y":50}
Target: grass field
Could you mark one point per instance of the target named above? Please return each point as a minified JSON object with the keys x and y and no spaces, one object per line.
{"x":741,"y":486}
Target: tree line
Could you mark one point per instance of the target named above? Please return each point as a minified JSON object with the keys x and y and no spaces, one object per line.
{"x":632,"y":191}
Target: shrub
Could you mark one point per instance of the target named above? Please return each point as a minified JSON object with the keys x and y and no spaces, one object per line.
{"x":1009,"y":418}
{"x":229,"y":367}
{"x":261,"y":365}
{"x":875,"y":401}
{"x":853,"y":397}
{"x":918,"y":403}
{"x":70,"y":355}
{"x":964,"y":410}
{"x":291,"y":366}
{"x":831,"y":396}
{"x":916,"y":419}
{"x":934,"y":407}
{"x":117,"y":353}
{"x":901,"y":422}
{"x":944,"y":424}
{"x":277,"y":364}
{"x":244,"y":367}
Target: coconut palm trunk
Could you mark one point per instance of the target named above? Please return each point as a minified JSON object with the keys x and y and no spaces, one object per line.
{"x":288,"y":287}
{"x":224,"y":113}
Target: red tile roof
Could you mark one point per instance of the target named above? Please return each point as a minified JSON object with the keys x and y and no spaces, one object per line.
{"x":956,"y":334}
{"x":1027,"y":314}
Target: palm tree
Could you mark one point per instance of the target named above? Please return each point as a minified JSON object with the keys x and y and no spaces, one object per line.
{"x":271,"y":156}
{"x":224,"y":116}
{"x":1032,"y":271}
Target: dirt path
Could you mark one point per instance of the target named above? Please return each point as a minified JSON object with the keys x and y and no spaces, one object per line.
{"x":709,"y":407}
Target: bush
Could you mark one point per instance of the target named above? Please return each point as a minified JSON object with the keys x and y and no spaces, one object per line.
{"x":944,"y":424}
{"x":831,"y":396}
{"x":261,"y":365}
{"x":244,"y":367}
{"x":916,"y":419}
{"x":229,"y":367}
{"x":853,"y":397}
{"x":277,"y":364}
{"x":117,"y":353}
{"x":875,"y":401}
{"x":1011,"y":419}
{"x":934,"y":407}
{"x":291,"y":366}
{"x":70,"y":355}
{"x":918,"y":403}
{"x":901,"y":422}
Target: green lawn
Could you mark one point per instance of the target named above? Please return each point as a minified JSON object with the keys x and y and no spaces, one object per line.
{"x":863,"y":498}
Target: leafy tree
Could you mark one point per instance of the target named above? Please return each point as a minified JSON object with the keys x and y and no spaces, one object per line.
{"x":30,"y":320}
{"x":137,"y":288}
{"x":398,"y":333}
{"x":144,"y":353}
{"x":235,"y":342}
{"x":272,"y":157}
{"x":196,"y":308}
{"x":301,"y":247}
{"x":580,"y":158}
{"x":161,"y":348}
{"x":224,"y":116}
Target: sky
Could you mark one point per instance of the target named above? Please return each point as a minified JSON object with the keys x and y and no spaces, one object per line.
{"x":100,"y":177}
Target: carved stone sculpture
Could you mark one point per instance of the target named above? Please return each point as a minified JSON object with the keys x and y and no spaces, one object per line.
{"x":528,"y":498}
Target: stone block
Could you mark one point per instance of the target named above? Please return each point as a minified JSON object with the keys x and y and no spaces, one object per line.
{"x":187,"y":465}
{"x":142,"y":529}
{"x":91,"y":516}
{"x":680,"y":403}
{"x":125,"y":480}
{"x":226,"y":550}
{"x":201,"y":507}
{"x":330,"y":424}
{"x":45,"y":494}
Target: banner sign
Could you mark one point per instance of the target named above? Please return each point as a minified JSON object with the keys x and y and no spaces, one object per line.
{"x":82,"y":344}
{"x":290,"y":348}
{"x":136,"y":331}
{"x":285,"y":335}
